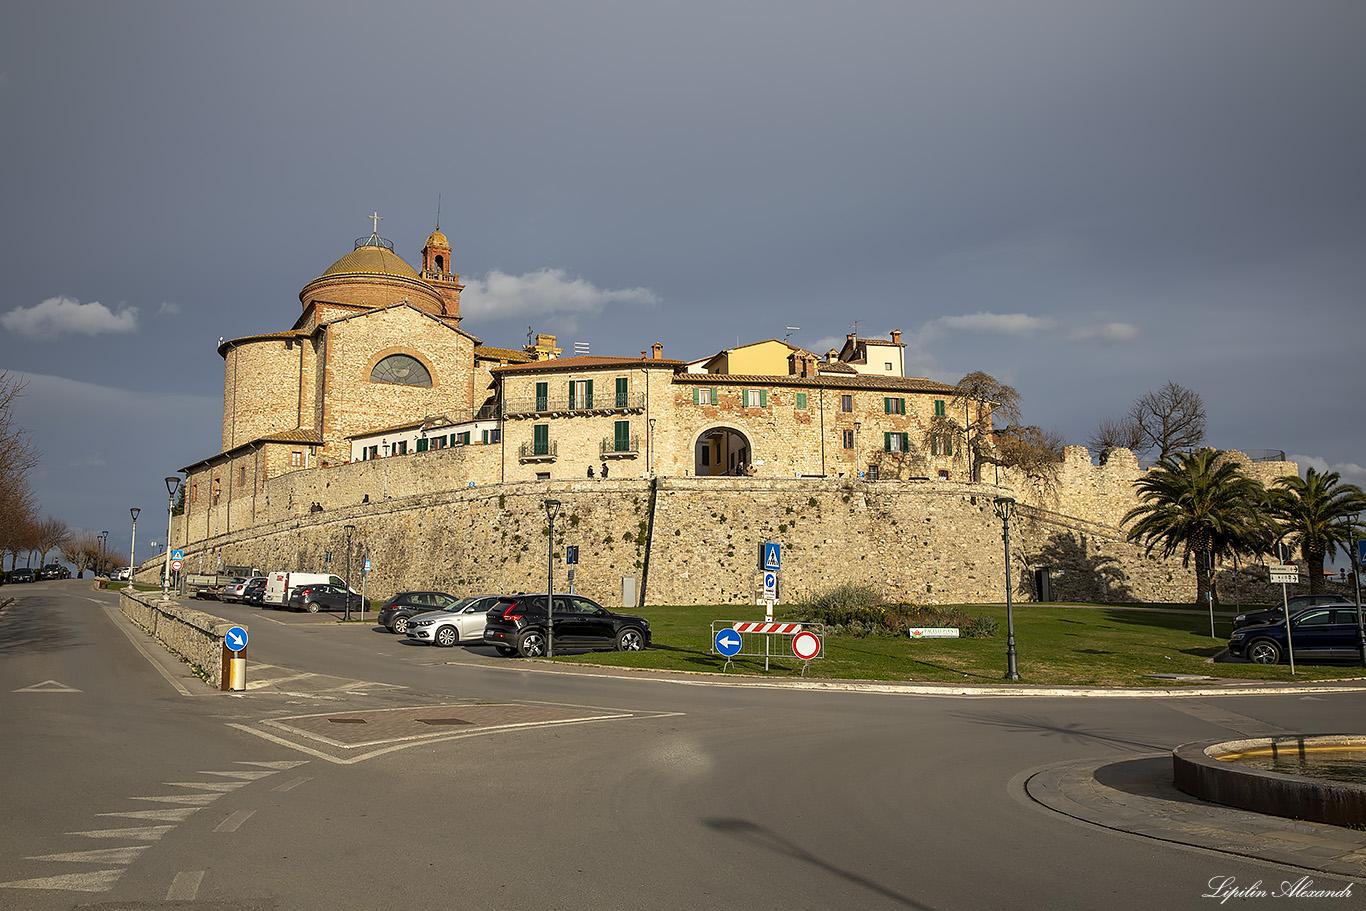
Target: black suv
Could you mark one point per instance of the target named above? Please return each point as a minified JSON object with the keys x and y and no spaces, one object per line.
{"x":1297,"y":603}
{"x":54,"y":571}
{"x":517,"y":626}
{"x":325,"y":596}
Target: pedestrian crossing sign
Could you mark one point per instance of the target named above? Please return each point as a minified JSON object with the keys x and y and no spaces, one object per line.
{"x":771,"y":558}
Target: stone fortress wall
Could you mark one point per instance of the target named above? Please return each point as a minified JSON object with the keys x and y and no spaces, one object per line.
{"x":688,"y":540}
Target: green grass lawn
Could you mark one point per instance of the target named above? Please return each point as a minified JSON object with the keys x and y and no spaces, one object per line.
{"x":1075,"y":645}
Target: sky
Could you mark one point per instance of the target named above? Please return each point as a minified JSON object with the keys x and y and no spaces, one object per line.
{"x":1086,"y":199}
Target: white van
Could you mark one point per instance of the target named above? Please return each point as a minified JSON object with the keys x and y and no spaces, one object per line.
{"x":280,"y":585}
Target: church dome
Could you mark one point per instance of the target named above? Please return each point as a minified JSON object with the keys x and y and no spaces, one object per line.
{"x":371,"y":260}
{"x":437,"y":239}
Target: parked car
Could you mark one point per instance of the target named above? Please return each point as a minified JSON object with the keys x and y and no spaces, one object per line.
{"x":517,"y":626}
{"x":54,"y":571}
{"x":324,"y":596}
{"x":233,"y":591}
{"x":1297,"y":603}
{"x":394,"y":613}
{"x":254,"y":591}
{"x":1317,"y":633}
{"x":223,"y":589}
{"x":23,"y":574}
{"x":459,"y":622}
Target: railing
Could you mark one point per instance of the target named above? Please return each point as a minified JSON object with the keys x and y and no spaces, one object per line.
{"x":532,"y":452}
{"x":1266,"y":455}
{"x":560,"y":404}
{"x":611,"y":446}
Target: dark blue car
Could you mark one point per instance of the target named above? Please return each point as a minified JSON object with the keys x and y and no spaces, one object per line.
{"x":1317,"y":633}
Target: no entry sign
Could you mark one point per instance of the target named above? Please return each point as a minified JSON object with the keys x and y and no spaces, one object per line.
{"x":806,"y":645}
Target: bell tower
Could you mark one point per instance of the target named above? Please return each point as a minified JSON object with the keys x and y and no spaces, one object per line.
{"x":436,"y":271}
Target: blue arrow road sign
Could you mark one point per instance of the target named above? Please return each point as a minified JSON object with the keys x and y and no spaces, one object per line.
{"x":773,"y":556}
{"x":728,"y":642}
{"x":236,"y":639}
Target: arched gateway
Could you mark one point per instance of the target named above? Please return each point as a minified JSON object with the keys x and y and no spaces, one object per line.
{"x":721,"y":451}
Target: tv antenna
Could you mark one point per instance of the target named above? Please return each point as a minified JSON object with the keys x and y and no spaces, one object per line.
{"x":790,"y":330}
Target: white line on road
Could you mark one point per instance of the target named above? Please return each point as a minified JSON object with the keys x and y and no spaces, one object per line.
{"x":292,"y":783}
{"x":185,"y":886}
{"x":233,"y":822}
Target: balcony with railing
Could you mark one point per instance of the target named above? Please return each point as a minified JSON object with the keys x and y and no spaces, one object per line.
{"x":620,"y":448}
{"x":608,"y":403}
{"x":545,"y":451}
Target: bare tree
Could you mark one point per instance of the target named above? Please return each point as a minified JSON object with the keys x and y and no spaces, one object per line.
{"x":52,"y":533}
{"x":1112,"y":434}
{"x":18,"y":511}
{"x":971,"y":415}
{"x":1172,"y":419}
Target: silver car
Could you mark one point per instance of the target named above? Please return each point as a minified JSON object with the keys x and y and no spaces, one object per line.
{"x":461,"y":622}
{"x":234,"y":589}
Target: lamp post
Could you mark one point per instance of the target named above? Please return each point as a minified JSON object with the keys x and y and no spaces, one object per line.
{"x":349,"y":530}
{"x":133,"y":546}
{"x":552,"y":507}
{"x":1356,"y":578}
{"x":103,"y":536}
{"x":172,"y":483}
{"x":1005,"y":508}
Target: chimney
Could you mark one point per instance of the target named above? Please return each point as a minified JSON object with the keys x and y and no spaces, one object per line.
{"x":642,"y":355}
{"x":657,"y":351}
{"x":896,"y":336}
{"x":851,"y":336}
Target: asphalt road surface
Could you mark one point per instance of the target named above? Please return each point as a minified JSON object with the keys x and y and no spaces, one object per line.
{"x":362,"y":771}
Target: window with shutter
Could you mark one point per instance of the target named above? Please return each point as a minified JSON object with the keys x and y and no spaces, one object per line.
{"x":540,"y":439}
{"x":622,"y":386}
{"x":622,"y":439}
{"x":801,"y":400}
{"x":542,"y":396}
{"x":939,"y":408}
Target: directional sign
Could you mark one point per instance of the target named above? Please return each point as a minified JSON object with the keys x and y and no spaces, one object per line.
{"x":235,"y":639}
{"x":367,"y":564}
{"x":772,"y":557}
{"x":770,"y":586}
{"x":1284,"y":573}
{"x":728,"y":642}
{"x":806,"y":645}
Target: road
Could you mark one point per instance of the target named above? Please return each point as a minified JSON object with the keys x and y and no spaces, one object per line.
{"x":360,"y":771}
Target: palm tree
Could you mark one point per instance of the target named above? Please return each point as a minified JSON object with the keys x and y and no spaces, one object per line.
{"x":1198,"y":503}
{"x":1317,"y":514}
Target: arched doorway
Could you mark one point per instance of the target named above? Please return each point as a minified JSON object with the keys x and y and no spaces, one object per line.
{"x":720,"y":451}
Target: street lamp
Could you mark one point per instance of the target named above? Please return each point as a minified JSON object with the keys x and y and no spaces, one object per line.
{"x":103,"y":536}
{"x":1005,"y":508}
{"x":349,"y":529}
{"x":552,"y":507}
{"x":133,"y":546}
{"x":172,"y":483}
{"x":1356,"y":577}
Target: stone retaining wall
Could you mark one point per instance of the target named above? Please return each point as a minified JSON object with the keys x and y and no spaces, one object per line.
{"x":189,"y":633}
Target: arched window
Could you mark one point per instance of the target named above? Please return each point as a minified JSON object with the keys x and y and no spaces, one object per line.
{"x":403,"y":369}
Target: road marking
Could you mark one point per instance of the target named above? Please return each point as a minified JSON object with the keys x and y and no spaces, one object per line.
{"x":48,"y":686}
{"x":103,"y":856}
{"x":185,"y":886}
{"x":98,"y":881}
{"x":278,"y":764}
{"x":200,"y":799}
{"x":247,"y":776}
{"x":177,"y":815}
{"x":220,"y":786}
{"x":145,"y":833}
{"x":233,"y":822}
{"x":292,"y":783}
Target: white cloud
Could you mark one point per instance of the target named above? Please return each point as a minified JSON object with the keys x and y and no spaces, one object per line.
{"x":1110,"y":332}
{"x":1017,"y":324}
{"x":58,"y":316}
{"x":544,"y":292}
{"x":168,"y":308}
{"x":1351,"y":472}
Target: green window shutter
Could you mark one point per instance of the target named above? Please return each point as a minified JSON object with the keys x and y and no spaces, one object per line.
{"x":588,"y":394}
{"x":905,"y":442}
{"x":886,"y":442}
{"x":939,"y":408}
{"x":571,"y":395}
{"x":886,"y":406}
{"x":623,"y":436}
{"x":542,"y":396}
{"x":696,"y":395}
{"x":763,"y":398}
{"x":900,"y":406}
{"x":713,"y":395}
{"x":801,"y":400}
{"x":540,"y":439}
{"x":948,"y":445}
{"x":934,"y":445}
{"x":422,"y":444}
{"x":622,"y":393}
